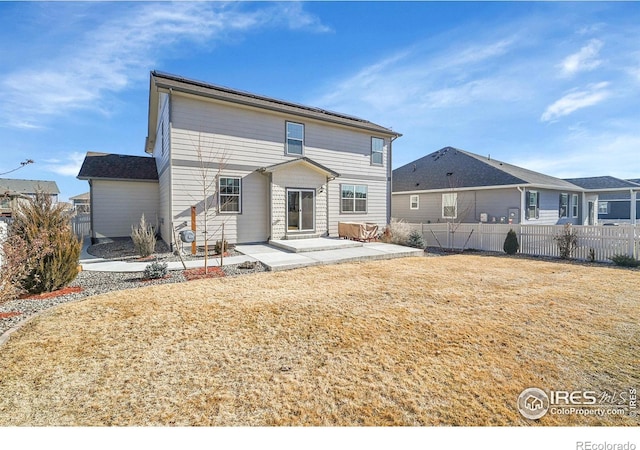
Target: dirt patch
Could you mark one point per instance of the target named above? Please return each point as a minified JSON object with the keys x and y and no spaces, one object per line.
{"x":6,"y":315}
{"x":199,"y":273}
{"x":414,"y":341}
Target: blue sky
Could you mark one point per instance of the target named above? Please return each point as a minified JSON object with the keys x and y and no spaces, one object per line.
{"x":554,"y":87}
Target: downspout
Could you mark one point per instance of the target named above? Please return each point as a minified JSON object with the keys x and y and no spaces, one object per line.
{"x":522,"y":203}
{"x":389,"y":177}
{"x":633,"y":206}
{"x":170,"y":168}
{"x":91,"y":203}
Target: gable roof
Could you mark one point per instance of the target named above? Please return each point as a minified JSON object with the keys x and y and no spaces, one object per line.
{"x":13,"y":186}
{"x":303,"y":160}
{"x":118,"y":167}
{"x":602,"y":183}
{"x":451,"y":167}
{"x":165,"y":81}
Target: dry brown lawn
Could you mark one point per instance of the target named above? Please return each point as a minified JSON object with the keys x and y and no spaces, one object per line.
{"x":418,"y":341}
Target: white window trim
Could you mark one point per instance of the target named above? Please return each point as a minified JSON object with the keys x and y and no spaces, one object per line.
{"x":381,"y":152}
{"x":239,"y":195}
{"x":575,"y":208}
{"x":566,"y":206}
{"x":355,"y":187}
{"x":453,"y":204}
{"x":411,"y":202}
{"x":535,"y":204}
{"x":286,"y":138}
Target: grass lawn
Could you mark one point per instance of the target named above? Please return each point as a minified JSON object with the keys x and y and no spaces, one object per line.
{"x":418,"y":341}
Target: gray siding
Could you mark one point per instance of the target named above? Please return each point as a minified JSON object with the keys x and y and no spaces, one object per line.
{"x":162,"y":154}
{"x":117,"y":205}
{"x":237,"y":141}
{"x":493,"y":202}
{"x":549,"y":213}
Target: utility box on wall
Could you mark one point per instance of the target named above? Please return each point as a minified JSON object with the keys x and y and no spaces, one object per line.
{"x":514,"y":215}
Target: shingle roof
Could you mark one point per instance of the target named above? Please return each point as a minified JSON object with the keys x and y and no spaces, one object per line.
{"x":85,"y":196}
{"x":181,"y":84}
{"x":450,"y":168}
{"x":304,"y":160}
{"x":118,"y":167}
{"x":635,"y":180}
{"x":14,"y":186}
{"x":602,"y":183}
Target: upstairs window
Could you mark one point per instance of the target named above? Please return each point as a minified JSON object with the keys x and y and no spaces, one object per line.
{"x":574,"y":205}
{"x":229,"y":194}
{"x":377,"y":149}
{"x":295,"y":138}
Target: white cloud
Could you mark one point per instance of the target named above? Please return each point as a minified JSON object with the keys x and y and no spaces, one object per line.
{"x":588,"y":155}
{"x":122,"y":49}
{"x":70,"y":166}
{"x":585,"y":59}
{"x":573,"y":101}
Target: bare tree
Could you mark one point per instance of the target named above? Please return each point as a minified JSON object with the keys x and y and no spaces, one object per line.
{"x":454,"y":210}
{"x":212,"y":162}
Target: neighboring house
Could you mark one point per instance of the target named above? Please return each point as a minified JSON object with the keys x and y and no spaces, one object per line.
{"x":81,"y":203}
{"x":122,"y":188}
{"x":280,"y":170}
{"x":614,"y":196}
{"x":453,"y":185}
{"x":12,"y":191}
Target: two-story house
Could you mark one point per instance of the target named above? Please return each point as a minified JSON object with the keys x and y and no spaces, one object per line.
{"x":13,"y":191}
{"x":266,"y":168}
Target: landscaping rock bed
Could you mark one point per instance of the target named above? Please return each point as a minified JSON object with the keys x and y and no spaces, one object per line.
{"x":93,"y":283}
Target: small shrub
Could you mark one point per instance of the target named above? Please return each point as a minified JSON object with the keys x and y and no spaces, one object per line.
{"x":511,"y":245}
{"x":397,"y":232}
{"x":144,"y":238}
{"x":567,"y":241}
{"x":218,"y":248}
{"x":53,"y":250}
{"x":625,"y":261}
{"x":415,"y":239}
{"x":14,"y":268}
{"x":155,"y":270}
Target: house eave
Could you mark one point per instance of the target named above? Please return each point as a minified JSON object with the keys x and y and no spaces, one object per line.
{"x":488,"y":188}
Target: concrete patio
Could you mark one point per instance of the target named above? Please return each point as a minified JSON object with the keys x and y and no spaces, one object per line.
{"x":276,"y":255}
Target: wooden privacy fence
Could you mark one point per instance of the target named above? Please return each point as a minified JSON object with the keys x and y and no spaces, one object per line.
{"x":606,"y":241}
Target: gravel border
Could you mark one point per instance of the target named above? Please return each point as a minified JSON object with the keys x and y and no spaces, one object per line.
{"x":95,"y":283}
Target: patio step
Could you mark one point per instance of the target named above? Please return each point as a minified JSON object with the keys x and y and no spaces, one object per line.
{"x":313,"y":245}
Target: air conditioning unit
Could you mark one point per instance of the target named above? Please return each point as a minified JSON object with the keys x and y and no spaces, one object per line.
{"x":484,"y":217}
{"x":187,"y":236}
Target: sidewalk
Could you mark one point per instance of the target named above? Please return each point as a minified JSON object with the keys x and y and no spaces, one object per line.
{"x":311,"y":252}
